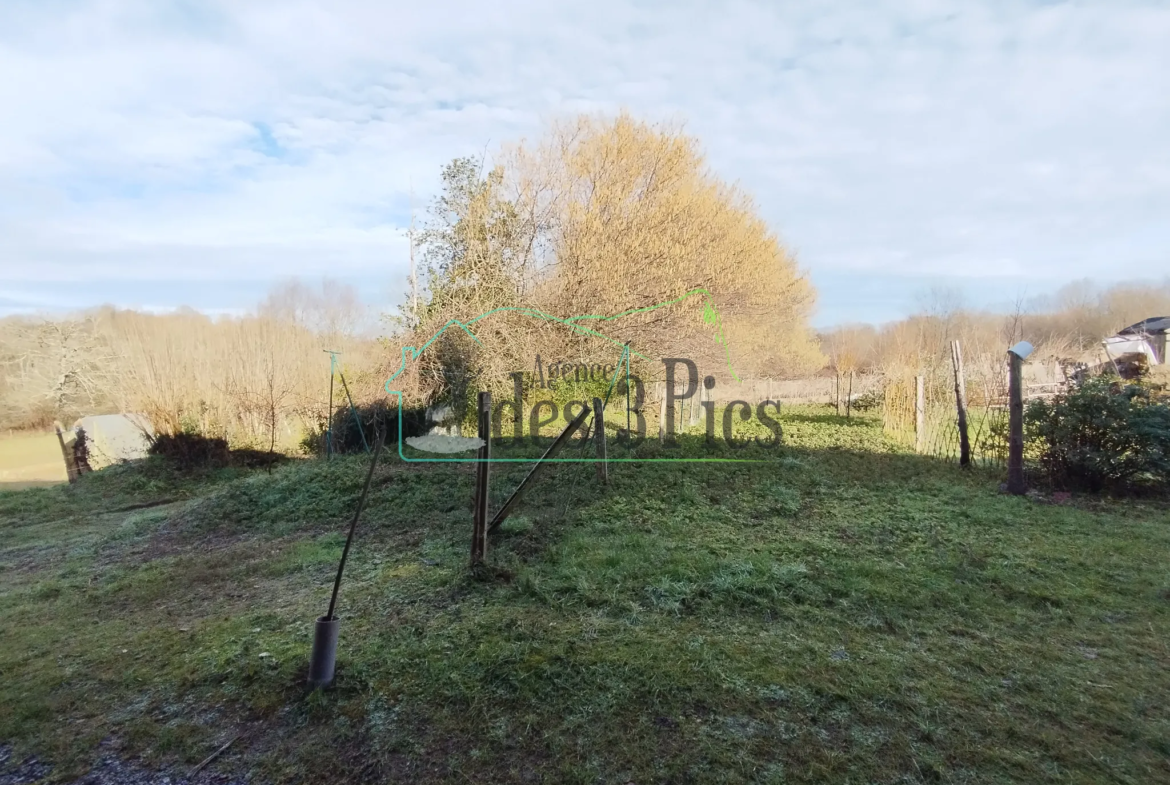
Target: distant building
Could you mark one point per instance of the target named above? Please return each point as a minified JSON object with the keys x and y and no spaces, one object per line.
{"x":1147,"y":338}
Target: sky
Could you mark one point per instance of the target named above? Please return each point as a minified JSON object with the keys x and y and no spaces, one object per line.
{"x":157,"y":153}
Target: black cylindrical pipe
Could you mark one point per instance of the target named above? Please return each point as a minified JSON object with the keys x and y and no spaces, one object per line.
{"x":324,"y":656}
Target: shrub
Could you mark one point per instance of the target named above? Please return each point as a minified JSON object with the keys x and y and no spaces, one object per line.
{"x":869,"y":401}
{"x":348,"y":438}
{"x":1102,"y":435}
{"x":190,"y":450}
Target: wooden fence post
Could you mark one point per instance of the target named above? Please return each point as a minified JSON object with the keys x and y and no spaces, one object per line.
{"x":662,"y":413}
{"x":919,"y":414}
{"x":961,"y":404}
{"x":599,"y":425}
{"x":482,"y":480}
{"x":329,"y":420}
{"x":67,"y":455}
{"x":849,"y":398}
{"x":1016,"y":355}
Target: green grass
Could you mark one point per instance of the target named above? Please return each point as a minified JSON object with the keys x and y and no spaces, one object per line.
{"x":844,"y":612}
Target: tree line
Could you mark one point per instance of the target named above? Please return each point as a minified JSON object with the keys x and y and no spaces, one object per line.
{"x":1066,"y":326}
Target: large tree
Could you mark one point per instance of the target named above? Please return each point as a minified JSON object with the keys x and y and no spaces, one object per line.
{"x":604,"y":217}
{"x":631,"y":216}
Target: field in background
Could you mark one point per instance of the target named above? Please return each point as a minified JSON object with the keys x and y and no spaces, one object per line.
{"x":30,"y":460}
{"x":846,"y":612}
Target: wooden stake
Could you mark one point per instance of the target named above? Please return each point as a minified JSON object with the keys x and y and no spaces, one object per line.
{"x":549,"y":454}
{"x":919,"y":414}
{"x":213,"y":756}
{"x":599,"y":426}
{"x":662,"y":415}
{"x":482,"y":479}
{"x":1015,"y":483}
{"x":67,"y":455}
{"x":849,"y":398}
{"x":961,"y":405}
{"x":626,"y":358}
{"x":329,"y":420}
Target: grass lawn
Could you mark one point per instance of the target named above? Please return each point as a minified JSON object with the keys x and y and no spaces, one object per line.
{"x":843,"y":613}
{"x":30,"y":460}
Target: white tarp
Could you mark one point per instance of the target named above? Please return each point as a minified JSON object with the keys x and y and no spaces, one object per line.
{"x":111,"y":438}
{"x":434,"y":442}
{"x":1118,"y":345}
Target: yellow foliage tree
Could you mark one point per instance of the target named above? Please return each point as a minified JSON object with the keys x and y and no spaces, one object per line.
{"x":625,"y":215}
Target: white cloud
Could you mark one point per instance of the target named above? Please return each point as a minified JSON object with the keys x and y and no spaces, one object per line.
{"x":169,"y":141}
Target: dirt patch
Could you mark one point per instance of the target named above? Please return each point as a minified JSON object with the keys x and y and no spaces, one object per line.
{"x":110,"y":769}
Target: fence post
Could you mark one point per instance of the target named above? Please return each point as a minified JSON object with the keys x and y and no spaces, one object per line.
{"x":849,"y":398}
{"x":919,"y":414}
{"x":837,"y":392}
{"x":480,"y":515}
{"x":67,"y":455}
{"x":1016,"y":355}
{"x":961,"y":404}
{"x":662,"y":414}
{"x":329,"y":420}
{"x":599,"y":425}
{"x":699,"y":394}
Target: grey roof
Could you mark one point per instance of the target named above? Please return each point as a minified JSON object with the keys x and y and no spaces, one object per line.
{"x":1155,"y":324}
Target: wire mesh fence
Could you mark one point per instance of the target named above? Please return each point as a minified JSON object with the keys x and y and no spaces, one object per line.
{"x":933,"y":428}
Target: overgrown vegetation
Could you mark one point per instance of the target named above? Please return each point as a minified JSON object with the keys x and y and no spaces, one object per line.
{"x":354,"y":430}
{"x":843,"y":612}
{"x":191,"y":450}
{"x":1102,"y":435}
{"x":255,"y":381}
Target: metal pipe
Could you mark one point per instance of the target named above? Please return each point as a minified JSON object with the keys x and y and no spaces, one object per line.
{"x":353,"y":524}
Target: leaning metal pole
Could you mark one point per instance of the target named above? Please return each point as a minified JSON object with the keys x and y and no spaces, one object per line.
{"x":324,"y":656}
